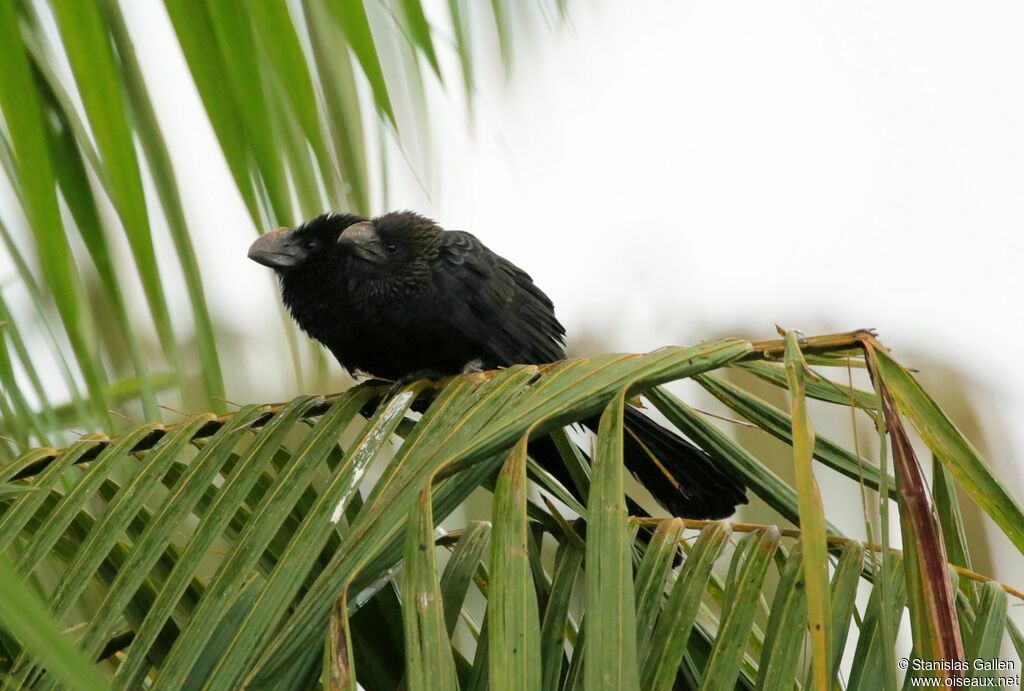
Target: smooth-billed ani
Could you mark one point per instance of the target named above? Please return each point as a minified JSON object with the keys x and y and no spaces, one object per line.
{"x":401,"y":298}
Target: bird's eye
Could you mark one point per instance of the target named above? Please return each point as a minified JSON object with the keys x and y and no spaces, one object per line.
{"x":391,"y":248}
{"x":310,"y":245}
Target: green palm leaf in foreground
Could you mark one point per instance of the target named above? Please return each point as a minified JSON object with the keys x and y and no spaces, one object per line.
{"x":294,"y":546}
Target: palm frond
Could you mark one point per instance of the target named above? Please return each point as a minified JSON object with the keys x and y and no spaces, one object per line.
{"x":288,"y":545}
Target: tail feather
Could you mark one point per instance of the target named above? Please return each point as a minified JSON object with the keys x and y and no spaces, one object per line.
{"x":544,"y":451}
{"x":683,"y":478}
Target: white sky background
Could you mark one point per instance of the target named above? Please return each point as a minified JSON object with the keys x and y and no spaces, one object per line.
{"x":674,"y":171}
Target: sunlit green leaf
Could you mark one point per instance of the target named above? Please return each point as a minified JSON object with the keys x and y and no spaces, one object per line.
{"x":92,"y":61}
{"x":812,"y":517}
{"x":514,"y":633}
{"x":24,"y":615}
{"x":611,"y":660}
{"x":951,"y":448}
{"x":351,"y":17}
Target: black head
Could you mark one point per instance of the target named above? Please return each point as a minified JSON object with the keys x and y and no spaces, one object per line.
{"x":394,"y":244}
{"x":287,"y":250}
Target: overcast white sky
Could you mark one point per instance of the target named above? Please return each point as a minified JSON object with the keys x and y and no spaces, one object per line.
{"x":671,"y":171}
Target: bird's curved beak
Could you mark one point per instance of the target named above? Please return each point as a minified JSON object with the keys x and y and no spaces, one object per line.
{"x":277,"y":250}
{"x":362,"y":239}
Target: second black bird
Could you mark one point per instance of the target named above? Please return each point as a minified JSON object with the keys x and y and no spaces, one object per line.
{"x":401,"y":298}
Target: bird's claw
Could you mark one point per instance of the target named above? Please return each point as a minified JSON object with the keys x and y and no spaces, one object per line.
{"x":397,"y":386}
{"x":474,"y":365}
{"x":403,"y":382}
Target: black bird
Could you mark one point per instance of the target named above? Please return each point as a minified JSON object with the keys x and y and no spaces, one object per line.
{"x":401,"y":298}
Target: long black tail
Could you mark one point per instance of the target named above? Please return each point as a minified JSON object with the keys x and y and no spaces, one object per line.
{"x":684,"y":479}
{"x":681,"y":477}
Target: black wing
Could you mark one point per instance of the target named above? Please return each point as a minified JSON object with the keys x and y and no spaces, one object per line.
{"x":508,"y":318}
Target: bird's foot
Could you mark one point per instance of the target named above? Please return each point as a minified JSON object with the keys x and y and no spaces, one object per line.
{"x":404,"y":381}
{"x":475,"y":365}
